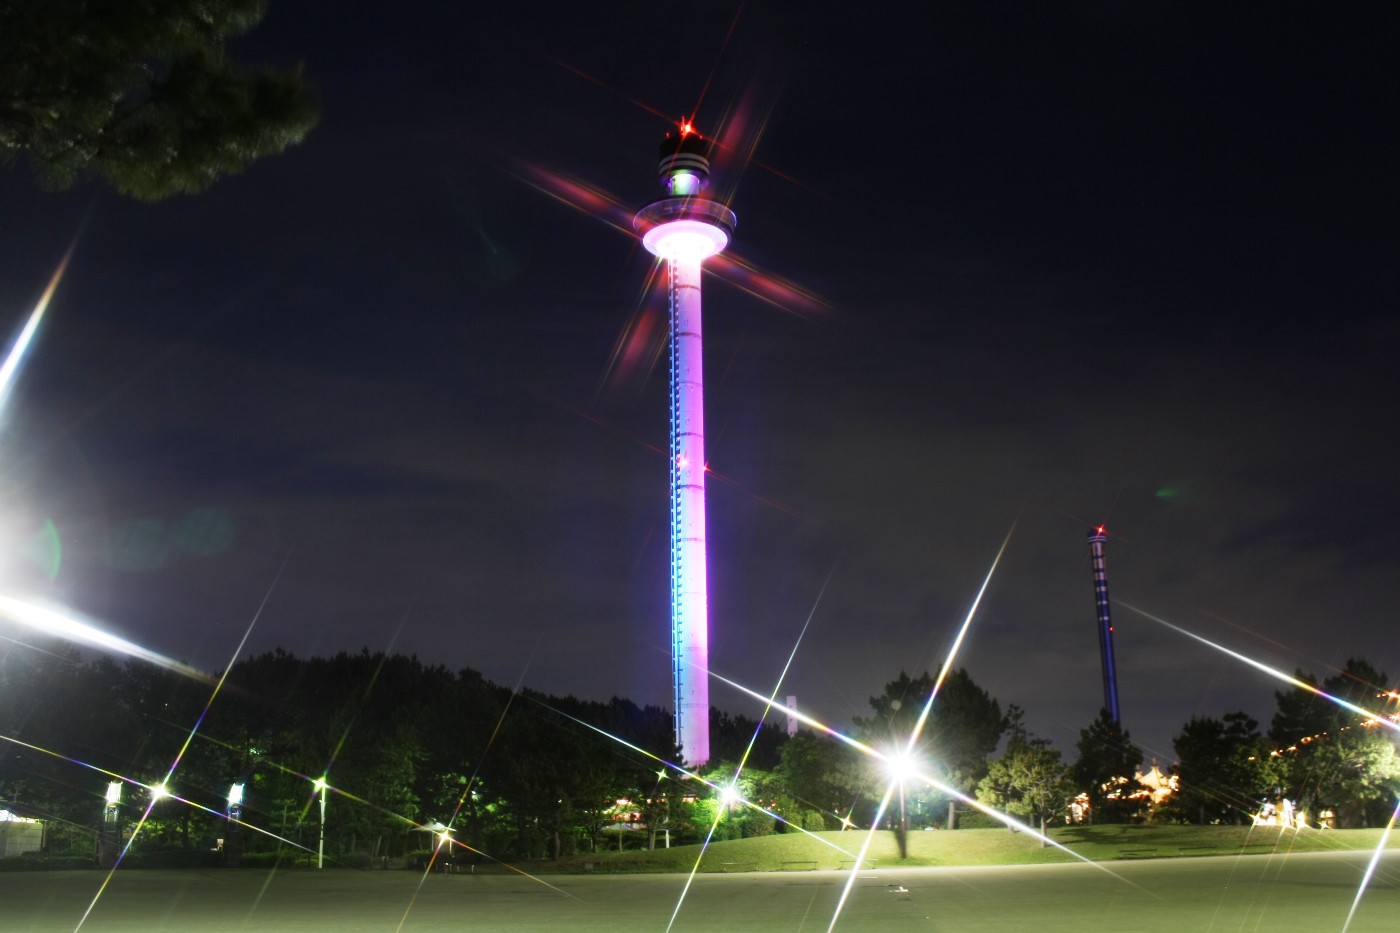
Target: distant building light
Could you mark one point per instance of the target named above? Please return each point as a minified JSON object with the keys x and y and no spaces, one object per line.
{"x":7,"y":817}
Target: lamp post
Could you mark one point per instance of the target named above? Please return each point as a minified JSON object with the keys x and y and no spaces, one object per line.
{"x":444,"y":849}
{"x":233,"y":849}
{"x":320,"y":785}
{"x":900,"y":767}
{"x":109,"y":843}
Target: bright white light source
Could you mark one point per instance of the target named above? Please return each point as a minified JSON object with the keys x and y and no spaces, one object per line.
{"x":685,"y":240}
{"x":901,"y":766}
{"x":159,"y":792}
{"x":235,"y":795}
{"x":114,"y":793}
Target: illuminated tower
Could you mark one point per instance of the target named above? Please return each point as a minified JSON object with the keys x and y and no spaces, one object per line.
{"x":684,"y":229}
{"x":1110,"y":671}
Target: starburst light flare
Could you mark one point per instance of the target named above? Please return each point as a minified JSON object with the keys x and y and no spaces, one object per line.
{"x":1371,"y":867}
{"x":62,"y":623}
{"x":179,"y":756}
{"x":26,"y":334}
{"x":1368,"y":716}
{"x":1273,"y":672}
{"x":957,"y":643}
{"x":692,"y":775}
{"x":738,"y":770}
{"x":919,"y":725}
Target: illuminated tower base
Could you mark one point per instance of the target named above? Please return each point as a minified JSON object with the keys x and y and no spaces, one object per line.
{"x":684,"y":229}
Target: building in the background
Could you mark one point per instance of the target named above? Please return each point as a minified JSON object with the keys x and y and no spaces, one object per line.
{"x":19,"y":834}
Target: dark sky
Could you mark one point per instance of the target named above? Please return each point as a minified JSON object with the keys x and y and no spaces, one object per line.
{"x":1075,"y":263}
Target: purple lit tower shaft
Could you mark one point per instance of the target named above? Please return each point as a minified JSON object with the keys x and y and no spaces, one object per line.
{"x":690,"y":651}
{"x":1110,"y":671}
{"x":684,"y":229}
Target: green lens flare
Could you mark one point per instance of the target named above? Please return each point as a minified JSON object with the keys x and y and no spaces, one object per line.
{"x":45,"y":549}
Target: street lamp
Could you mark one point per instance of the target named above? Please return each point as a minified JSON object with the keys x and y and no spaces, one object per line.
{"x":444,"y":849}
{"x":233,"y":848}
{"x":320,"y":785}
{"x":729,"y":797}
{"x":442,"y":837}
{"x":108,"y":846}
{"x":901,"y":766}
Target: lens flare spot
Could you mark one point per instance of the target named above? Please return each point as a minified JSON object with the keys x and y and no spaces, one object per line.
{"x":44,"y":549}
{"x":139,"y":546}
{"x":204,"y":531}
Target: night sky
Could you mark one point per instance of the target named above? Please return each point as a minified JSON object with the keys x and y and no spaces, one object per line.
{"x":1067,"y":264}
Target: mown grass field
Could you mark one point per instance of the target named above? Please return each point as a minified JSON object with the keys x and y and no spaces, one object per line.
{"x":968,"y":847}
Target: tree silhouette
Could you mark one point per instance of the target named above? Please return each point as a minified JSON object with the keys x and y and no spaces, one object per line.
{"x":1332,"y":757}
{"x":1224,"y":769}
{"x":140,"y":93}
{"x":1108,"y":761}
{"x":1029,"y":780}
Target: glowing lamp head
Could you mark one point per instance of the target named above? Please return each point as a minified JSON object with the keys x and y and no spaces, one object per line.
{"x":320,"y":784}
{"x":159,"y":792}
{"x":235,"y":795}
{"x":114,"y":793}
{"x":685,"y":228}
{"x":685,"y":240}
{"x":901,"y":765}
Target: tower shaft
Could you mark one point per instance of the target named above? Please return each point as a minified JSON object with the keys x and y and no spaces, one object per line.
{"x":684,"y":229}
{"x":1105,"y":620}
{"x":689,"y":571}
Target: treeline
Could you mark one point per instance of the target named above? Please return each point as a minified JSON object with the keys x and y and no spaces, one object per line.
{"x":1323,"y":754}
{"x":401,"y":744}
{"x":405,"y":745}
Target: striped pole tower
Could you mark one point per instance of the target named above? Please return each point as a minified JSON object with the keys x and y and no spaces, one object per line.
{"x":1097,"y":537}
{"x":684,"y":229}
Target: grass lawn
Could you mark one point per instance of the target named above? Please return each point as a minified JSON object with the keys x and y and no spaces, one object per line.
{"x":967,"y":881}
{"x":968,"y":847}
